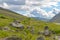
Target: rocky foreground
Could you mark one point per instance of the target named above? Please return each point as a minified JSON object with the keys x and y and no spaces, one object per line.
{"x":46,"y":33}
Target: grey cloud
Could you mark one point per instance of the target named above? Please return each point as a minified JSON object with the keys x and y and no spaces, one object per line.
{"x":15,"y":7}
{"x":13,"y":2}
{"x":1,"y":1}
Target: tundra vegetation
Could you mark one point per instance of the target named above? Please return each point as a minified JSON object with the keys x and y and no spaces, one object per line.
{"x":17,"y":27}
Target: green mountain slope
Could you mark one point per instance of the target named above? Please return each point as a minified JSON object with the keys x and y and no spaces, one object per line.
{"x":7,"y":17}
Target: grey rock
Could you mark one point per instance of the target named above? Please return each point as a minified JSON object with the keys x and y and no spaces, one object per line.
{"x":6,"y":28}
{"x":47,"y":33}
{"x":17,"y":25}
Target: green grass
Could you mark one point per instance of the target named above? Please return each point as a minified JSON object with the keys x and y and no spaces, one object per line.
{"x":38,"y":25}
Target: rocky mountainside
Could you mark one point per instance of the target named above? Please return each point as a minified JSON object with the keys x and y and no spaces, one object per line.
{"x":56,"y":18}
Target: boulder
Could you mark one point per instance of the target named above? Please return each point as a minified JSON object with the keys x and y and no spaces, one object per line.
{"x":47,"y":32}
{"x":17,"y":25}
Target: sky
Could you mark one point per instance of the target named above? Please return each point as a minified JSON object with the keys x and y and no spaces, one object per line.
{"x":25,"y":7}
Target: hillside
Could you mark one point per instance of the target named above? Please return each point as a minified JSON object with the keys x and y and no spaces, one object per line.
{"x":33,"y":25}
{"x":56,"y":18}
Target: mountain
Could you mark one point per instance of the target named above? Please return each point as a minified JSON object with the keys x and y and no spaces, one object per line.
{"x":38,"y":14}
{"x":10,"y":14}
{"x":43,"y":19}
{"x":56,"y":18}
{"x":30,"y":29}
{"x":42,"y":15}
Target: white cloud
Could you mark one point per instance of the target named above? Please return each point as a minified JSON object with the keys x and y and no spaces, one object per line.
{"x":49,"y":4}
{"x":51,"y":14}
{"x":5,"y":5}
{"x":30,"y":5}
{"x":40,"y":11}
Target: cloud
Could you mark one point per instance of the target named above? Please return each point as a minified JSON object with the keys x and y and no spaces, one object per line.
{"x":37,"y":12}
{"x":44,"y":3}
{"x":15,"y":2}
{"x":53,"y":12}
{"x":50,"y":4}
{"x":30,"y":5}
{"x":5,"y":5}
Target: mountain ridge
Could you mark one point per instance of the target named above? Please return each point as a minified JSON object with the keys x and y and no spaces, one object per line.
{"x":56,"y":18}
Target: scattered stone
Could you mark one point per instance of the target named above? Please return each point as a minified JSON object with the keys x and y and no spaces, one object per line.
{"x":46,"y":31}
{"x":6,"y":28}
{"x":58,"y":37}
{"x":40,"y":38}
{"x":17,"y":25}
